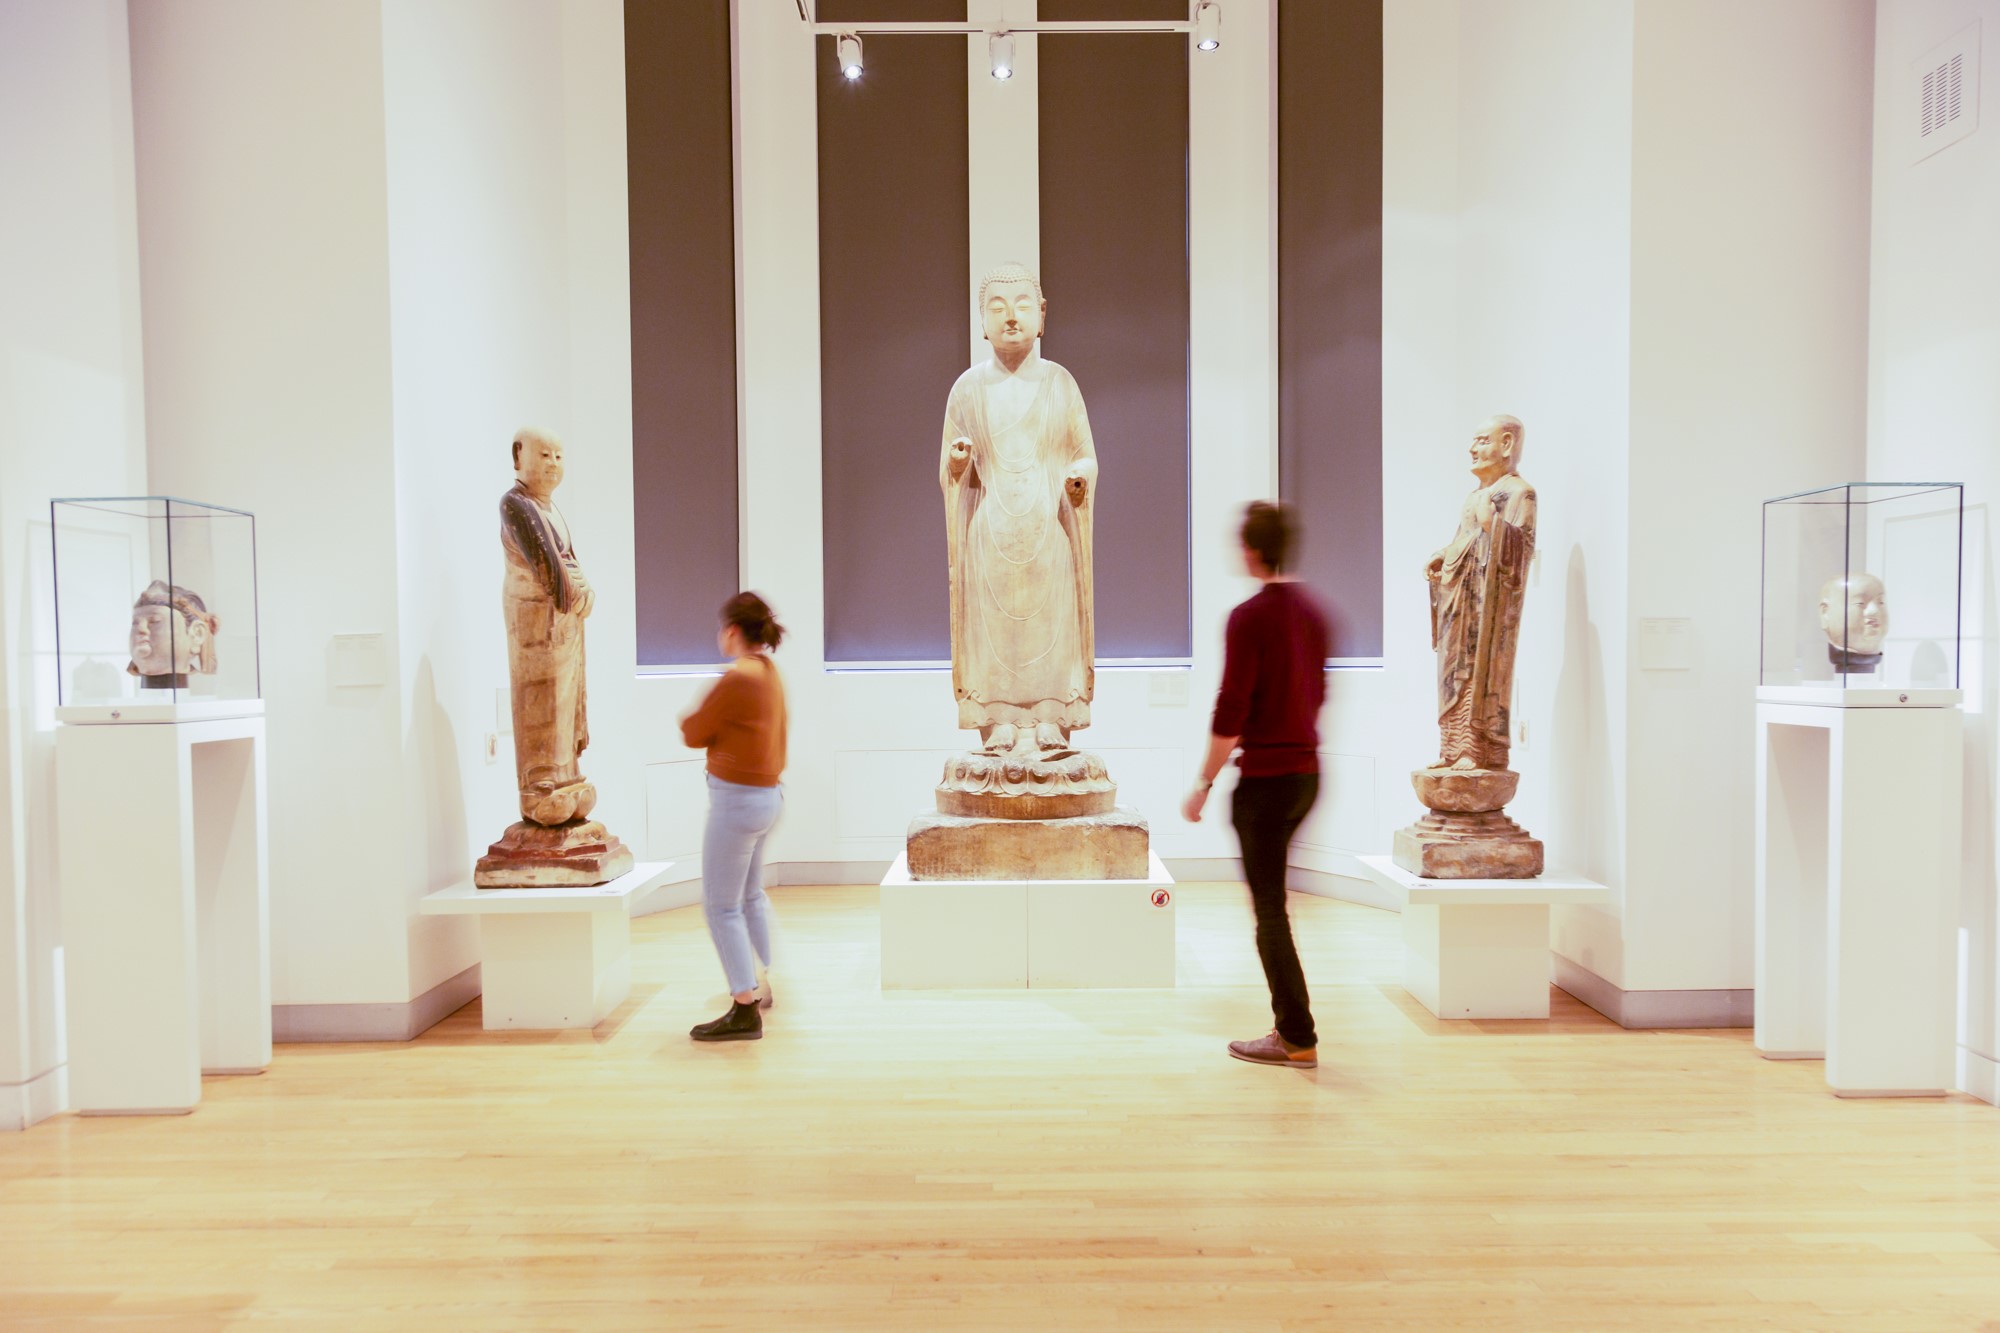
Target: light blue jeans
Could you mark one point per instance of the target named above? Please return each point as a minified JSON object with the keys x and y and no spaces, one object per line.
{"x":740,"y":819}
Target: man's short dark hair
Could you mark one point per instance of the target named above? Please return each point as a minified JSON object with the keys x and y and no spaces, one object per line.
{"x":1268,"y":530}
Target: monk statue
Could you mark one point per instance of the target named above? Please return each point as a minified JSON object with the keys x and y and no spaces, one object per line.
{"x":545,"y":599}
{"x":1019,"y":476}
{"x":1477,"y":585}
{"x":1854,"y":615}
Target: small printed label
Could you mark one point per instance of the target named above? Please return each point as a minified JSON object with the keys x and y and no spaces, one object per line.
{"x":1162,"y":898}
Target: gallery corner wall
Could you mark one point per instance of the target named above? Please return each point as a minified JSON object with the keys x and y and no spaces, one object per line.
{"x":71,"y":423}
{"x":1934,"y":412}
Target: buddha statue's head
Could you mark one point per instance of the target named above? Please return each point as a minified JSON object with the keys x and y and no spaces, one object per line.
{"x":173,"y":633}
{"x":1854,"y":613}
{"x":1496,"y":448}
{"x":1012,"y":310}
{"x":538,"y":461}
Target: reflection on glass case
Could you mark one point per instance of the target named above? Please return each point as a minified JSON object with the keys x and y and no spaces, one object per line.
{"x":1861,"y":591}
{"x":155,"y":607}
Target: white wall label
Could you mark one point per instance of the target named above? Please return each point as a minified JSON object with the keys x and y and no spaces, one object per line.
{"x":1666,"y":644}
{"x":358,"y":660}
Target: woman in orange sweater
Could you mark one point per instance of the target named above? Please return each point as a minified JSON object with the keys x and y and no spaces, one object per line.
{"x":741,"y":723}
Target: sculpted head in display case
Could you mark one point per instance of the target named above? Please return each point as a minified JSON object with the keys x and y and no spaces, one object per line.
{"x":173,"y":636}
{"x":1854,"y":613}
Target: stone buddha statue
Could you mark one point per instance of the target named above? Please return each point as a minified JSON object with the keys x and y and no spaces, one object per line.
{"x":546,"y":599}
{"x":1478,"y":582}
{"x":1019,"y":475}
{"x":1854,"y":615}
{"x":173,"y":637}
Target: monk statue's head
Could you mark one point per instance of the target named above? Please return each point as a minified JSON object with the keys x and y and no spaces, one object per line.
{"x":1012,"y":310}
{"x":538,"y":461}
{"x":1854,"y":613}
{"x":1496,"y":449}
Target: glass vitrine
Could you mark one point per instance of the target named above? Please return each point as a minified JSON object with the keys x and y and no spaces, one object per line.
{"x":155,"y":605}
{"x":1861,"y":591}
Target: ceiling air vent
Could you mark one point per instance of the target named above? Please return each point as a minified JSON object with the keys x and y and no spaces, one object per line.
{"x":1946,"y":85}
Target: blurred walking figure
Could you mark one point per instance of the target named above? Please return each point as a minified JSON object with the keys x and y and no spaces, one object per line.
{"x":741,"y":723}
{"x":1267,"y":714}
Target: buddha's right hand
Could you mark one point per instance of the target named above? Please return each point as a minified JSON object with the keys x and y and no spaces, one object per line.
{"x":961,"y":456}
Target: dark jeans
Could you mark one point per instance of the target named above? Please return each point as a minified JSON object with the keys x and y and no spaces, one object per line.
{"x":1267,"y":812}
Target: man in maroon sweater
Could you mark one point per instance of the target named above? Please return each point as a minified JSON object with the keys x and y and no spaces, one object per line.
{"x":1273,"y":683}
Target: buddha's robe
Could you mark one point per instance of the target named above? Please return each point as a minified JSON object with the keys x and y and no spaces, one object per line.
{"x":1476,"y":621}
{"x":542,"y":596}
{"x":1022,"y":628}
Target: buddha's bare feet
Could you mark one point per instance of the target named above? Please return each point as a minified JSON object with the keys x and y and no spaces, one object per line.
{"x":1049,"y":736}
{"x":1001,"y":738}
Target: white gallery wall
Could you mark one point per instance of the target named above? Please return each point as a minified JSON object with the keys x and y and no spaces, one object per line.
{"x":1934,"y":410}
{"x":377,"y":237}
{"x":71,"y":423}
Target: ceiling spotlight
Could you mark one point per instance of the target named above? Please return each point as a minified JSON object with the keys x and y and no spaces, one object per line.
{"x":1207,"y":25}
{"x":847,"y":55}
{"x":1000,"y":49}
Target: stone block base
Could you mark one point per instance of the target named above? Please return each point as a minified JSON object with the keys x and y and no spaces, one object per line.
{"x":1487,"y":845}
{"x":1106,"y":846}
{"x":578,"y":854}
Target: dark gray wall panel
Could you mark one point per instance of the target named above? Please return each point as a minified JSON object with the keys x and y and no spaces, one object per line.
{"x":681,"y":181}
{"x":1330,"y":304}
{"x":894,"y":302}
{"x":1114,"y":152}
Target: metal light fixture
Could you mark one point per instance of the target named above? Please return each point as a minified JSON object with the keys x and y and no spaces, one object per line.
{"x":1000,"y":50}
{"x":1207,"y":25}
{"x":847,"y":55}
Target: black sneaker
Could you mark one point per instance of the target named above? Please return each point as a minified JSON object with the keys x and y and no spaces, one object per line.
{"x":741,"y":1023}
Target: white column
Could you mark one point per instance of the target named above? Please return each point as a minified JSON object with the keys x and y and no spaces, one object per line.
{"x":1003,"y":143}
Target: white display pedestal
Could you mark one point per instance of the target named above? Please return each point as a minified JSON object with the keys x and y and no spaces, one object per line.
{"x":1479,"y":948}
{"x":552,"y":958}
{"x":1857,"y":866}
{"x":1010,"y":934}
{"x":165,"y":908}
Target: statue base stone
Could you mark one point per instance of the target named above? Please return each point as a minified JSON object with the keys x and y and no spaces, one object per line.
{"x":578,"y":854}
{"x":1112,"y":845}
{"x":1467,"y":834}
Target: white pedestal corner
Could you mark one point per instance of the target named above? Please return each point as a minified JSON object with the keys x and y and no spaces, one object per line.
{"x":1479,"y":948}
{"x":1857,"y":885}
{"x":166,"y":909}
{"x":1015,"y":934}
{"x":552,"y":958}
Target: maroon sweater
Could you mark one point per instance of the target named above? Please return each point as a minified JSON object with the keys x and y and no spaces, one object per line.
{"x":1274,"y":681}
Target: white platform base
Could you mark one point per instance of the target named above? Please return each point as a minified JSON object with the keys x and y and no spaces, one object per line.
{"x":1479,"y":948}
{"x":1011,"y":934}
{"x":165,"y":907}
{"x":552,"y":958}
{"x":1829,"y":695}
{"x":187,"y":708}
{"x":1857,"y":882}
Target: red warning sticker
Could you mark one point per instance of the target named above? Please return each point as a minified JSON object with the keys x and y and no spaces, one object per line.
{"x":1162,"y":898}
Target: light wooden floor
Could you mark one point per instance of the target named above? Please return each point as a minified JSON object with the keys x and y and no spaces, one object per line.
{"x":1035,"y":1161}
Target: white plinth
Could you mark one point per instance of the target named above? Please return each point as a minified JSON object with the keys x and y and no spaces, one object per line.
{"x":555,"y":957}
{"x":165,"y":708}
{"x":1479,"y":948}
{"x":1010,"y":934}
{"x":1857,"y":868}
{"x":166,"y":910}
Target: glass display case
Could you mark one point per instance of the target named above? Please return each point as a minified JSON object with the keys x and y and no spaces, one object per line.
{"x":1861,"y":594}
{"x":155,"y":609}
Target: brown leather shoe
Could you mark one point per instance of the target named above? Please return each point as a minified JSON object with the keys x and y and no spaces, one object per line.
{"x":1272,"y":1049}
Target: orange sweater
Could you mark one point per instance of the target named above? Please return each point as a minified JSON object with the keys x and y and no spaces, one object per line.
{"x":742,"y":724}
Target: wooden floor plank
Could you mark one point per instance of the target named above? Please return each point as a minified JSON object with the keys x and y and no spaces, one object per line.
{"x":1025,"y":1160}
